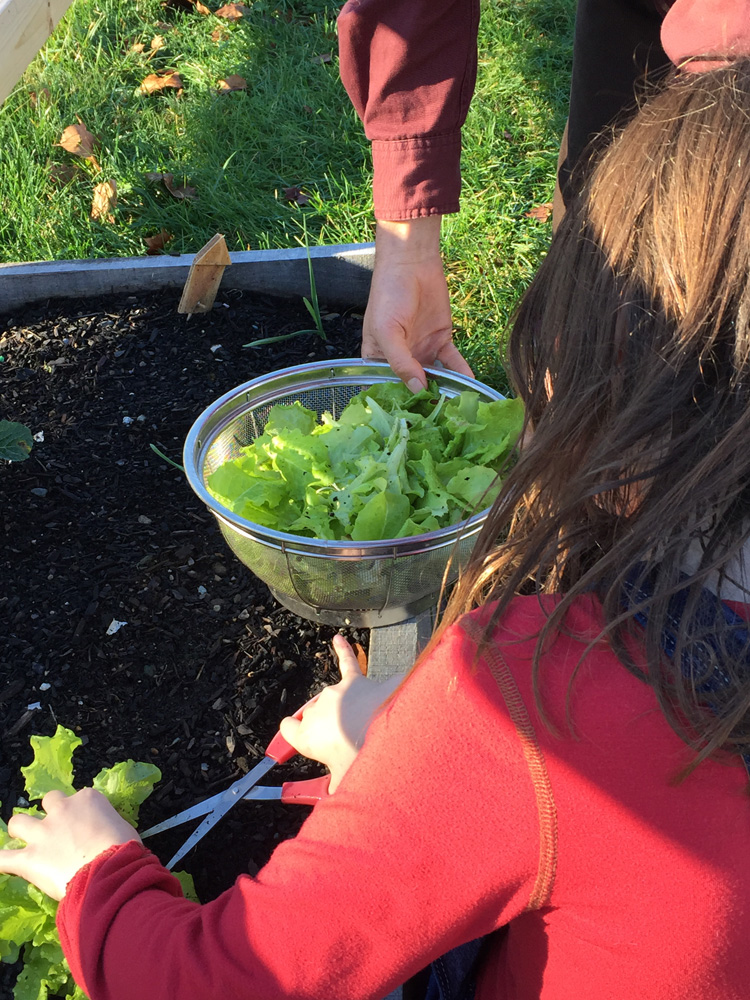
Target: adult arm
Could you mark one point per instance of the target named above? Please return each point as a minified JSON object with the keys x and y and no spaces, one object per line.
{"x":410,"y":69}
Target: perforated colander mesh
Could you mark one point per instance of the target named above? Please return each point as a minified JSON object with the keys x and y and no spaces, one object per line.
{"x":363,"y":583}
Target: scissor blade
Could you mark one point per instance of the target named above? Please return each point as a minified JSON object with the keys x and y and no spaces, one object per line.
{"x":222,"y":804}
{"x":264,"y":793}
{"x":194,"y":812}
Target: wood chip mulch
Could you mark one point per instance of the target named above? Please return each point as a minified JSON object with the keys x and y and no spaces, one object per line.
{"x":97,"y":529}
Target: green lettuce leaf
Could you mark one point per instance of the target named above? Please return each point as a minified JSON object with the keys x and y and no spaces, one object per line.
{"x":381,"y":517}
{"x":52,"y":767}
{"x":127,"y":785}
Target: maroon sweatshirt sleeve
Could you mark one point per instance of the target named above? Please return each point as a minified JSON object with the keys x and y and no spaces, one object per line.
{"x":410,"y":69}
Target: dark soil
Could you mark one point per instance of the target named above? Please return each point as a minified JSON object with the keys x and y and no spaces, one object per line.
{"x":97,"y":528}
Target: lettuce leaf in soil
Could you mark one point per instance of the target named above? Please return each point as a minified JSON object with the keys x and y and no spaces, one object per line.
{"x":15,"y":441}
{"x":392,"y":465}
{"x":27,"y":915}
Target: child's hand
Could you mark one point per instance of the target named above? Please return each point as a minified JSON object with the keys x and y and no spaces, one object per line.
{"x":75,"y":830}
{"x":333,"y":727}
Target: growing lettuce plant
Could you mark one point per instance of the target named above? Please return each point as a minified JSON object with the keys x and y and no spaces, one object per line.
{"x":27,"y":915}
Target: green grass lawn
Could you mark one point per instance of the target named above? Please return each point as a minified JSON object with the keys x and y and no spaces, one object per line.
{"x":292,"y":128}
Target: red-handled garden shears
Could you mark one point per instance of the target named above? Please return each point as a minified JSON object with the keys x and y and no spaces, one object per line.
{"x":215,"y":808}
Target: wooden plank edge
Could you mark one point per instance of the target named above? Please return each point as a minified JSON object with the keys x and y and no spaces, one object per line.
{"x":25,"y":25}
{"x":342,"y":275}
{"x":395,"y":648}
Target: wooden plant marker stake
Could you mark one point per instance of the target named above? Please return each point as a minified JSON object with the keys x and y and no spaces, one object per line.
{"x":205,"y":277}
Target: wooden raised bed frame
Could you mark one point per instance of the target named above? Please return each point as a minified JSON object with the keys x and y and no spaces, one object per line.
{"x":25,"y":25}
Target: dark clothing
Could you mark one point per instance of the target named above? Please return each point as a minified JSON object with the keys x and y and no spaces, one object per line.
{"x":616,"y":52}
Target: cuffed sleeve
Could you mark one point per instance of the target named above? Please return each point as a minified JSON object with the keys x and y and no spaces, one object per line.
{"x":410,"y":71}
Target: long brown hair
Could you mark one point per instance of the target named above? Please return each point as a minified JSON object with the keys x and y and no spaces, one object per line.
{"x":631,"y":351}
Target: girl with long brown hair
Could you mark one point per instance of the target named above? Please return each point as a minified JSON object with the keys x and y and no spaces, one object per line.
{"x":556,"y":797}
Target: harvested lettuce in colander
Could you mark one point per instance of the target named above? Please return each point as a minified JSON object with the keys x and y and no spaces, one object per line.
{"x":393,"y":465}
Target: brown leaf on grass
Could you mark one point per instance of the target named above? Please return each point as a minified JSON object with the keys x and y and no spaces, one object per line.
{"x":325,"y":57}
{"x":182,"y":193}
{"x":157,"y":42}
{"x":104,"y":201}
{"x":38,"y":97}
{"x":154,"y":83}
{"x":155,"y":244}
{"x":232,"y":83}
{"x":220,"y":34}
{"x":296,"y":195}
{"x":62,"y":173}
{"x":540,"y":212}
{"x":77,"y":139}
{"x":232,"y":11}
{"x":202,"y":9}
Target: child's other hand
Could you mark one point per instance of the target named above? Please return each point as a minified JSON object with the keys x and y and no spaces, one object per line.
{"x":75,"y":830}
{"x":333,"y":727}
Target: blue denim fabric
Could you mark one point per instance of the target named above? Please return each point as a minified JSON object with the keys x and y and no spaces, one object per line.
{"x":453,"y":975}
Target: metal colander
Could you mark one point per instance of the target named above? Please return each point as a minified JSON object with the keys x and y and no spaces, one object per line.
{"x":366,"y":584}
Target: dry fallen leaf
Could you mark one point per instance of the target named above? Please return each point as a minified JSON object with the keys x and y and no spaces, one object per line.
{"x":104,"y":201}
{"x":219,"y":34}
{"x":155,"y":244}
{"x":157,"y":42}
{"x":201,"y":8}
{"x":232,"y":11}
{"x":296,"y":195}
{"x":361,"y":657}
{"x":231,"y":83}
{"x":77,"y":139}
{"x":154,"y":83}
{"x":62,"y":173}
{"x":137,"y":47}
{"x":182,"y":193}
{"x":540,"y":212}
{"x":38,"y":97}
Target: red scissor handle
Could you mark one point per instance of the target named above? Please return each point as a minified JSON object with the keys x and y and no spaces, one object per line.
{"x":305,"y":793}
{"x":278,"y":749}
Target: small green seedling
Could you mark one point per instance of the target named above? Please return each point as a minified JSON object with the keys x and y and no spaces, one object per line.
{"x":311,"y":304}
{"x":166,"y":458}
